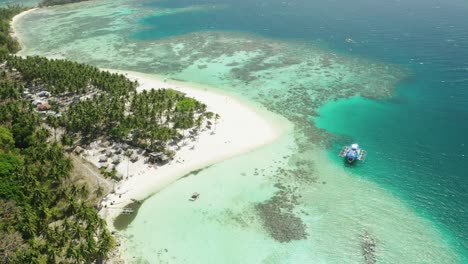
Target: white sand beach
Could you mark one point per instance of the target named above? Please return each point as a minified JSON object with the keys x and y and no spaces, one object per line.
{"x":240,"y":129}
{"x":14,"y":26}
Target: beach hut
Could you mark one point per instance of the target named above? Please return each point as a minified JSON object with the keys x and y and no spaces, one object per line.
{"x":154,"y":157}
{"x":118,"y":151}
{"x":158,"y":157}
{"x":116,"y":160}
{"x":125,"y":146}
{"x":36,"y":102}
{"x":43,"y":107}
{"x":134,"y":157}
{"x":78,"y":150}
{"x":103,"y":159}
{"x":43,"y":94}
{"x":105,"y":144}
{"x":109,"y":153}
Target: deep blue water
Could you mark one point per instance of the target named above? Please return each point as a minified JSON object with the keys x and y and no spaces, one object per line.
{"x":417,"y":140}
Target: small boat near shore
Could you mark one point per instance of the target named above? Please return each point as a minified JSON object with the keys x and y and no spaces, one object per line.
{"x":194,"y":196}
{"x":127,"y":211}
{"x":352,"y":153}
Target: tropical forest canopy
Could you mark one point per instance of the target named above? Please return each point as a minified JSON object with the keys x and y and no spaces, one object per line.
{"x":108,"y":104}
{"x":7,"y":43}
{"x":44,"y":216}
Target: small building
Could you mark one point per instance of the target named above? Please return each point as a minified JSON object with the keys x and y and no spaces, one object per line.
{"x":116,"y":160}
{"x":134,"y":158}
{"x":103,"y":159}
{"x":109,"y":153}
{"x":79,"y":150}
{"x":43,"y":94}
{"x":27,"y":95}
{"x":158,"y":157}
{"x":105,"y":144}
{"x":43,"y":107}
{"x":36,"y":102}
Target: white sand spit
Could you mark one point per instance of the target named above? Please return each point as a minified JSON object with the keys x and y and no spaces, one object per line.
{"x":241,"y":128}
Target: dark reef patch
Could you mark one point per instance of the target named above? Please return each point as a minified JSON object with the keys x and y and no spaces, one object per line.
{"x":195,"y":172}
{"x":368,"y":248}
{"x":278,"y":218}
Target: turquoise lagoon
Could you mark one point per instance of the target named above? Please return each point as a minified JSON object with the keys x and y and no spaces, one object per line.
{"x":391,"y":76}
{"x":19,"y":2}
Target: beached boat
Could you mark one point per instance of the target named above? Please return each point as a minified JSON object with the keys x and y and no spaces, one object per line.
{"x":127,"y":211}
{"x":194,"y":196}
{"x":353,"y":153}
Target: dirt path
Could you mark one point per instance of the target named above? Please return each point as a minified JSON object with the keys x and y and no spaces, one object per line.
{"x":91,"y":174}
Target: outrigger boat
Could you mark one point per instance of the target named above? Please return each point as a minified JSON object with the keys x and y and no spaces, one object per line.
{"x":353,"y":153}
{"x":127,"y":211}
{"x":194,"y":196}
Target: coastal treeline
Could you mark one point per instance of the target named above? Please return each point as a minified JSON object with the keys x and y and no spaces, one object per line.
{"x":44,"y":216}
{"x":7,"y":43}
{"x":107,"y":104}
{"x":63,"y":77}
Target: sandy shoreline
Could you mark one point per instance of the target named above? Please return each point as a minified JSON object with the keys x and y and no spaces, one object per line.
{"x":239,"y":130}
{"x":14,"y":25}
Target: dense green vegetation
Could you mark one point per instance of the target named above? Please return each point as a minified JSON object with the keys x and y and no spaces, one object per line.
{"x":64,"y":77}
{"x":44,"y":218}
{"x":59,"y":2}
{"x":7,"y":43}
{"x":115,"y":110}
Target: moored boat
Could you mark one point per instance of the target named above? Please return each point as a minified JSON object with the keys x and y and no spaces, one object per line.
{"x":352,"y":153}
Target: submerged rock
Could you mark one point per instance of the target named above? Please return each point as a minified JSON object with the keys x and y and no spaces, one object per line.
{"x":279,"y":219}
{"x":368,"y":248}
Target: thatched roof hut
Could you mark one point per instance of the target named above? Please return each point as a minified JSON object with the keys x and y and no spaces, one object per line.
{"x":43,"y":107}
{"x":105,"y":144}
{"x":116,"y":160}
{"x":79,"y":150}
{"x":134,"y":157}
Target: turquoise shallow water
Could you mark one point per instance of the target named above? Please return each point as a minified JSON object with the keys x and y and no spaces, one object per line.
{"x":19,"y":2}
{"x":292,"y":202}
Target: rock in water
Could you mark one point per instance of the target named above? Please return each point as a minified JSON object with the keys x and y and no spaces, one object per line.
{"x":368,"y":248}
